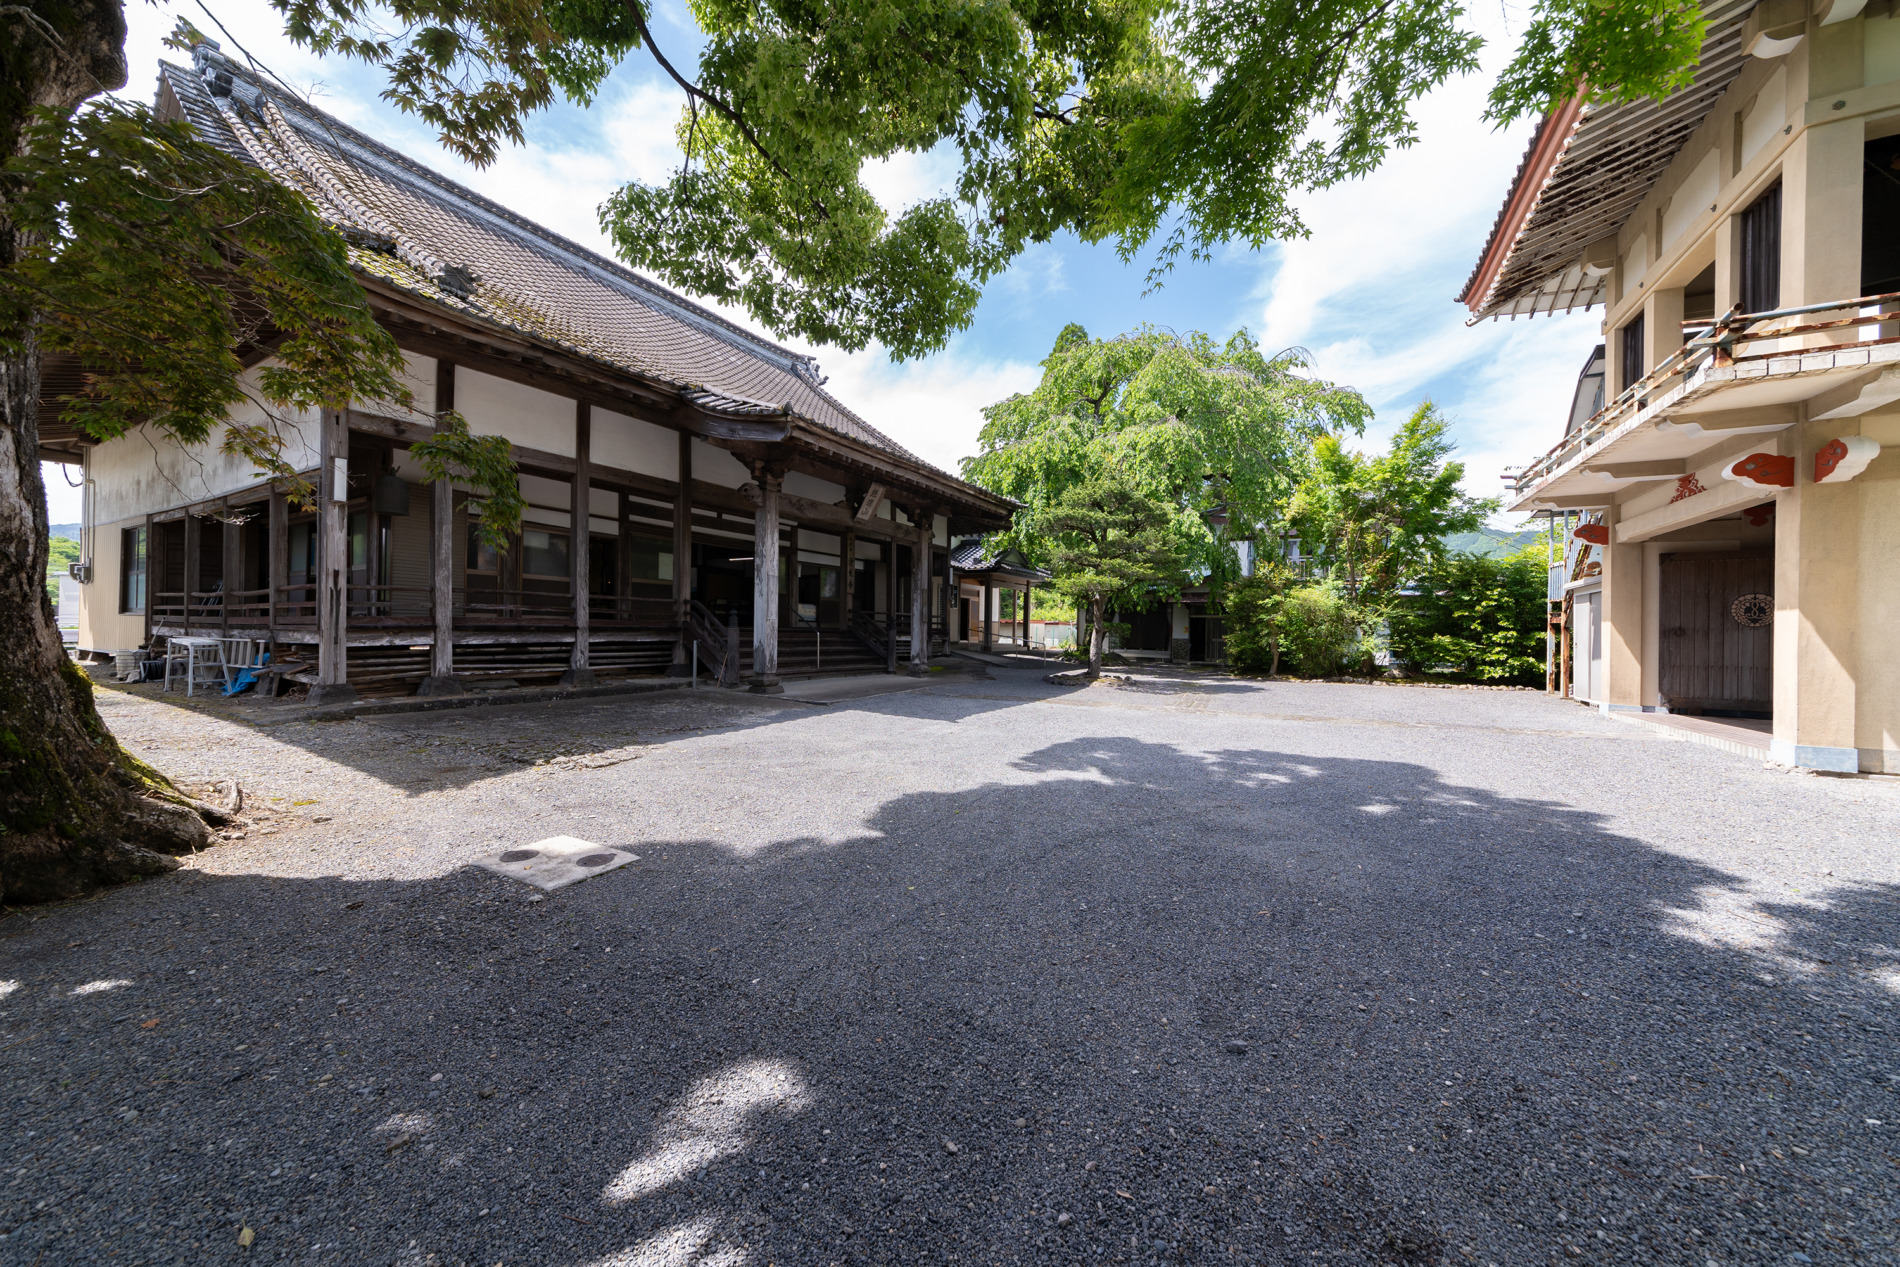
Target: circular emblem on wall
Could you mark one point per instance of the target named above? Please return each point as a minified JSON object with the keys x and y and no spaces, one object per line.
{"x":1753,"y":610}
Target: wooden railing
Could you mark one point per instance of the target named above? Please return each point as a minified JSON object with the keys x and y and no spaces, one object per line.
{"x":716,"y":642}
{"x":1718,"y":344}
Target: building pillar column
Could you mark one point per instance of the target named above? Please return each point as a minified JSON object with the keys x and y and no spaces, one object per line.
{"x":442,"y":679}
{"x":277,"y":565}
{"x":989,"y":608}
{"x":682,"y":557}
{"x":848,"y":577}
{"x":889,"y":556}
{"x":1818,"y":594}
{"x":920,"y":593}
{"x":231,"y":551}
{"x":1025,"y":617}
{"x":765,"y":567}
{"x":1623,"y":617}
{"x":194,"y":565}
{"x":579,"y":537}
{"x":333,"y":563}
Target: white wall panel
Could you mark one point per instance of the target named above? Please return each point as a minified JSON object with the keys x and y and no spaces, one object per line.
{"x":529,"y":417}
{"x":634,"y":445}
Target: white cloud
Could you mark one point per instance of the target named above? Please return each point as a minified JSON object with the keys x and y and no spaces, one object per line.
{"x":1372,"y":290}
{"x":933,"y":407}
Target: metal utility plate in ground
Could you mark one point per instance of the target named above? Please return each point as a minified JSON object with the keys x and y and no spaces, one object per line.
{"x":556,"y":862}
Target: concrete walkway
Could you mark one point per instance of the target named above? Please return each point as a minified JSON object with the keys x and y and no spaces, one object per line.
{"x":1178,"y":970}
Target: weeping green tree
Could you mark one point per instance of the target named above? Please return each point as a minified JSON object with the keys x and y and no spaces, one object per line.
{"x":1107,"y":540}
{"x":1214,"y":433}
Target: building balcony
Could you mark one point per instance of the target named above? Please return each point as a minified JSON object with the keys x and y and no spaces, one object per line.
{"x":1743,"y":374}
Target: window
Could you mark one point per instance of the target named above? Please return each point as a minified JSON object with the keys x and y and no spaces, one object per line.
{"x":651,"y":559}
{"x":544,"y":553}
{"x":1761,"y":253}
{"x":1880,"y":218}
{"x":482,"y":557}
{"x":1632,"y":351}
{"x":132,"y":571}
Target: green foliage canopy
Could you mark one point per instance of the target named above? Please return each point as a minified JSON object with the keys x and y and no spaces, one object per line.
{"x":1146,"y":123}
{"x":1477,"y":618}
{"x":226,"y":262}
{"x":1377,"y":521}
{"x":1209,"y":431}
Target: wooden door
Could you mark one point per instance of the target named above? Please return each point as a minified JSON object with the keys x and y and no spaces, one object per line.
{"x":1716,"y":626}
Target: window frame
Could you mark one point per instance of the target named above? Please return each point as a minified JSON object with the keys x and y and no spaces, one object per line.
{"x":143,"y":572}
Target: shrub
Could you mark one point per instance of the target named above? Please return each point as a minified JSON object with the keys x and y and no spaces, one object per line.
{"x":1476,"y":618}
{"x":1280,"y":623}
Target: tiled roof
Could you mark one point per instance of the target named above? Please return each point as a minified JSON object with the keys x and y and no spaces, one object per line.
{"x":419,"y":231}
{"x":1582,"y":183}
{"x":970,"y":556}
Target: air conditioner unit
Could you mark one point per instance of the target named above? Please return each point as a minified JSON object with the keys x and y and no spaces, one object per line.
{"x":81,"y":572}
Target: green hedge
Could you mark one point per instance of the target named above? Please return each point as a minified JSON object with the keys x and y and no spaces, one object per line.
{"x":1476,"y":618}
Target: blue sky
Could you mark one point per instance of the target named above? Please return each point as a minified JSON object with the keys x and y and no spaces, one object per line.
{"x":1370,"y":293}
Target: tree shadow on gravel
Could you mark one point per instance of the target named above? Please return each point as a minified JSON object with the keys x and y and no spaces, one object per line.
{"x":456,"y":748}
{"x":1141,"y":1006}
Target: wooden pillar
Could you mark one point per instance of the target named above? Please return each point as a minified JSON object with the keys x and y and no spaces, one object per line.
{"x":989,"y":608}
{"x":683,"y":557}
{"x":154,"y":577}
{"x":580,"y":509}
{"x":277,"y":566}
{"x":848,"y":578}
{"x":442,"y":679}
{"x":623,"y":560}
{"x":920,"y":593}
{"x":765,"y":550}
{"x":232,"y":551}
{"x":194,"y":546}
{"x":888,"y":555}
{"x":333,"y":563}
{"x":1025,"y":617}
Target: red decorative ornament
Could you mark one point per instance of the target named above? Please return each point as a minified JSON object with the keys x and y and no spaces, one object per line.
{"x":1758,"y":516}
{"x":1595,"y":534}
{"x":1842,"y":458}
{"x":1764,"y":470}
{"x":1687,"y":486}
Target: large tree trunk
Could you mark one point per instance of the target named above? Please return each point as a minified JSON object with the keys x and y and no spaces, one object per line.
{"x":1098,"y":639}
{"x":76,"y":811}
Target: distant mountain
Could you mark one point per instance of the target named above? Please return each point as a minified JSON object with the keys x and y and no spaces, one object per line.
{"x":1492,"y":541}
{"x":63,"y":530}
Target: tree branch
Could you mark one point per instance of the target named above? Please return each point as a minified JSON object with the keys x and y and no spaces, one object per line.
{"x":694,"y":90}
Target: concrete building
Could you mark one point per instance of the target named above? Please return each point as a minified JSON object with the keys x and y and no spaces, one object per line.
{"x":1730,"y":469}
{"x":691,"y":488}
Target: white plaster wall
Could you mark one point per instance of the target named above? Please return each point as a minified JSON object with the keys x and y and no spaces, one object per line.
{"x":802,"y":485}
{"x":540,"y":491}
{"x":717,"y":466}
{"x":102,"y":627}
{"x":419,"y":377}
{"x":1693,"y":198}
{"x":144,"y":471}
{"x":634,"y":445}
{"x":1880,"y":49}
{"x":1766,"y":116}
{"x":529,"y":417}
{"x":603,"y":501}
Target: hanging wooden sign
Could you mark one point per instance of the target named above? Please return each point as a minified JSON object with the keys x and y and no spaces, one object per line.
{"x":867,"y":509}
{"x":1595,"y":534}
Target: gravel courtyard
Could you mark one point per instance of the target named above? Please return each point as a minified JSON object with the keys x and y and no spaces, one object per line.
{"x":1187,"y":971}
